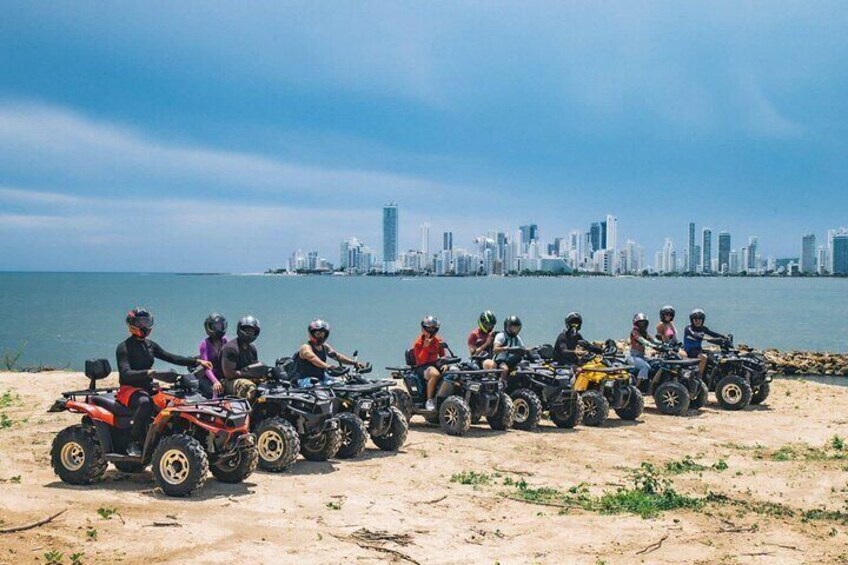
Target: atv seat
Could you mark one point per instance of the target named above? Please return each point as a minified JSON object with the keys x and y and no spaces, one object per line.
{"x":108,"y":402}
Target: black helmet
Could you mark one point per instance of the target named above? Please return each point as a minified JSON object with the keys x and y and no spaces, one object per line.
{"x":140,"y":321}
{"x":511,"y":322}
{"x":667,"y":311}
{"x":431,"y":325}
{"x":248,"y":329}
{"x":215,"y":325}
{"x":574,"y":319}
{"x":640,"y":319}
{"x":697,"y":314}
{"x":487,"y":321}
{"x":317,"y":326}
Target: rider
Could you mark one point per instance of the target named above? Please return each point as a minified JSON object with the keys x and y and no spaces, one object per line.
{"x":427,"y":349}
{"x":237,"y":355}
{"x":310,"y":361}
{"x":135,"y":369}
{"x":666,"y":330}
{"x":639,"y":340}
{"x":481,"y":339}
{"x":210,"y":350}
{"x":508,"y":339}
{"x":567,"y":342}
{"x":694,"y":335}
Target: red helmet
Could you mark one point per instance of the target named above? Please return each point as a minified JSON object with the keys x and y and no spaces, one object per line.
{"x":140,"y":321}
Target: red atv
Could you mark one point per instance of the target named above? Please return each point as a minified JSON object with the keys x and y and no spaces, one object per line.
{"x":188,"y":436}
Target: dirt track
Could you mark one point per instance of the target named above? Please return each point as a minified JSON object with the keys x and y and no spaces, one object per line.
{"x":312,"y":514}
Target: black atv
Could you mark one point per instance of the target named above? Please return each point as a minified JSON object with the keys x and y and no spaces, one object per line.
{"x":364,"y":408}
{"x":674,"y":382}
{"x":463,"y":394}
{"x":737,"y":379}
{"x":537,"y":385}
{"x":287,"y":420}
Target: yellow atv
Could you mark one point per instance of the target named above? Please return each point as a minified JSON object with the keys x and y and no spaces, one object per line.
{"x":603,"y":381}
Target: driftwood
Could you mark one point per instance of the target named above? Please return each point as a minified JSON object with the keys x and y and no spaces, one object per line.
{"x":25,"y":527}
{"x":654,"y":546}
{"x":434,"y":501}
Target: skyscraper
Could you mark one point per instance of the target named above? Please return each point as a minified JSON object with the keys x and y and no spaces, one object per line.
{"x":724,"y":252}
{"x":390,"y":237}
{"x":425,"y":240}
{"x":692,"y":255}
{"x":839,"y":253}
{"x":529,"y":233}
{"x":707,"y":251}
{"x":611,"y":238}
{"x":603,"y":235}
{"x":808,"y":254}
{"x":594,"y":237}
{"x":752,"y":253}
{"x":447,"y":241}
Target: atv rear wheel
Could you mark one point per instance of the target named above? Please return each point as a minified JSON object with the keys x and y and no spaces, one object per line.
{"x":354,"y":434}
{"x":236,"y":469}
{"x":277,"y":444}
{"x":76,"y":455}
{"x":761,"y":393}
{"x":634,"y":407}
{"x":403,"y":402}
{"x":595,"y":408}
{"x":528,"y":409}
{"x":323,"y":446}
{"x":454,"y":416}
{"x":504,"y":416}
{"x":699,"y":400}
{"x":733,"y":392}
{"x":395,"y":437}
{"x":672,"y":398}
{"x":129,"y":466}
{"x":179,"y":465}
{"x":570,"y":415}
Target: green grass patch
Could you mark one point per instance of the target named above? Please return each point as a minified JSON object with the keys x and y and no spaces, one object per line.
{"x":471,"y":478}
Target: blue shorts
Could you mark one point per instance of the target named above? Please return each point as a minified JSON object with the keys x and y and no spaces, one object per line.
{"x":693,"y":352}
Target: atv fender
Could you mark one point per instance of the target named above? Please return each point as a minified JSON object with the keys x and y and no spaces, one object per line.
{"x":96,"y":413}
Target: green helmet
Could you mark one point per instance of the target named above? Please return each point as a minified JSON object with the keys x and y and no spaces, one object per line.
{"x":487,"y":321}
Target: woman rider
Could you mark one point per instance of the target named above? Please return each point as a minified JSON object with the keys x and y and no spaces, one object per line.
{"x":310,"y":361}
{"x":639,"y":340}
{"x":427,"y":350}
{"x":135,"y":357}
{"x":211,"y":385}
{"x":695,"y":334}
{"x":666,"y":330}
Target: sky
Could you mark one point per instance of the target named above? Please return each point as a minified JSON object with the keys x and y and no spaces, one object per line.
{"x":220,"y":136}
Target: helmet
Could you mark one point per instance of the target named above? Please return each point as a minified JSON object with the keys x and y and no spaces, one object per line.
{"x":574,"y":319}
{"x":248,"y":329}
{"x":215,"y":325}
{"x":512,"y":322}
{"x":140,"y":321}
{"x":640,"y":320}
{"x":487,"y":321}
{"x":431,"y":325}
{"x":697,"y":314}
{"x":319,"y":326}
{"x":667,"y":311}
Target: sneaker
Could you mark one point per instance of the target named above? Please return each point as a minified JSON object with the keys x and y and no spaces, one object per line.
{"x":430,"y":406}
{"x":134,"y":449}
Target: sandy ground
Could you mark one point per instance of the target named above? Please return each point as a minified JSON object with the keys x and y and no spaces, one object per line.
{"x":312,"y":513}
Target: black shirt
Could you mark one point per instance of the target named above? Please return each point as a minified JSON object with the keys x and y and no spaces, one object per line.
{"x":135,"y":359}
{"x":235,"y":356}
{"x":566,"y":342}
{"x":303,"y":368}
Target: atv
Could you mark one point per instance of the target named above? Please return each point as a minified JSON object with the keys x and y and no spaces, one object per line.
{"x":737,"y":379}
{"x":537,"y":385}
{"x":288,"y":419}
{"x":188,"y":437}
{"x":464,"y":394}
{"x":365,"y":408}
{"x":604,"y":382}
{"x":674,"y":382}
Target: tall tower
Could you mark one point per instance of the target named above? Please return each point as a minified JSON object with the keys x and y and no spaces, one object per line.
{"x":724,"y":252}
{"x":390,"y":237}
{"x":692,"y":255}
{"x":707,"y":251}
{"x":425,"y":240}
{"x":612,"y":233}
{"x":447,"y":241}
{"x":808,"y":254}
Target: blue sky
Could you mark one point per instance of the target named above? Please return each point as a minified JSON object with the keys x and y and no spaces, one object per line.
{"x":207,"y":136}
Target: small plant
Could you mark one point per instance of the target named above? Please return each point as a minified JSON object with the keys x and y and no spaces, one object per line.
{"x":91,"y":534}
{"x":471,"y":478}
{"x":76,"y":558}
{"x":785,"y":453}
{"x":16,"y":480}
{"x":53,"y":557}
{"x":335,"y":505}
{"x":5,"y":421}
{"x":685,"y":465}
{"x":720,"y":465}
{"x":8,"y":399}
{"x":106,"y":513}
{"x":837,"y":443}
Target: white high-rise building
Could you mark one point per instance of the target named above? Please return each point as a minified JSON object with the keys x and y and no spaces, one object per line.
{"x":425,"y":239}
{"x":612,"y":232}
{"x":669,"y":257}
{"x":822,"y":260}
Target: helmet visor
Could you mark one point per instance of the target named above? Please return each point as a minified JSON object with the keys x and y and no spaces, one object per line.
{"x":143,"y":322}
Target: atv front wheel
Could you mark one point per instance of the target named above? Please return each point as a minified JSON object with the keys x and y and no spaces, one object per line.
{"x":403,"y":402}
{"x":761,"y":393}
{"x":354,"y":435}
{"x":595,"y":408}
{"x":733,"y":392}
{"x":634,"y":407}
{"x":699,"y":400}
{"x":236,"y":469}
{"x":570,"y":415}
{"x":504,"y":416}
{"x":323,"y":446}
{"x":672,"y":398}
{"x":528,"y":409}
{"x":395,"y":437}
{"x":179,"y":465}
{"x":76,"y":455}
{"x":277,"y":443}
{"x":454,"y":416}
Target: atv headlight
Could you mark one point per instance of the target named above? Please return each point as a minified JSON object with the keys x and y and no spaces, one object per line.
{"x":366,"y":404}
{"x":474,"y":387}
